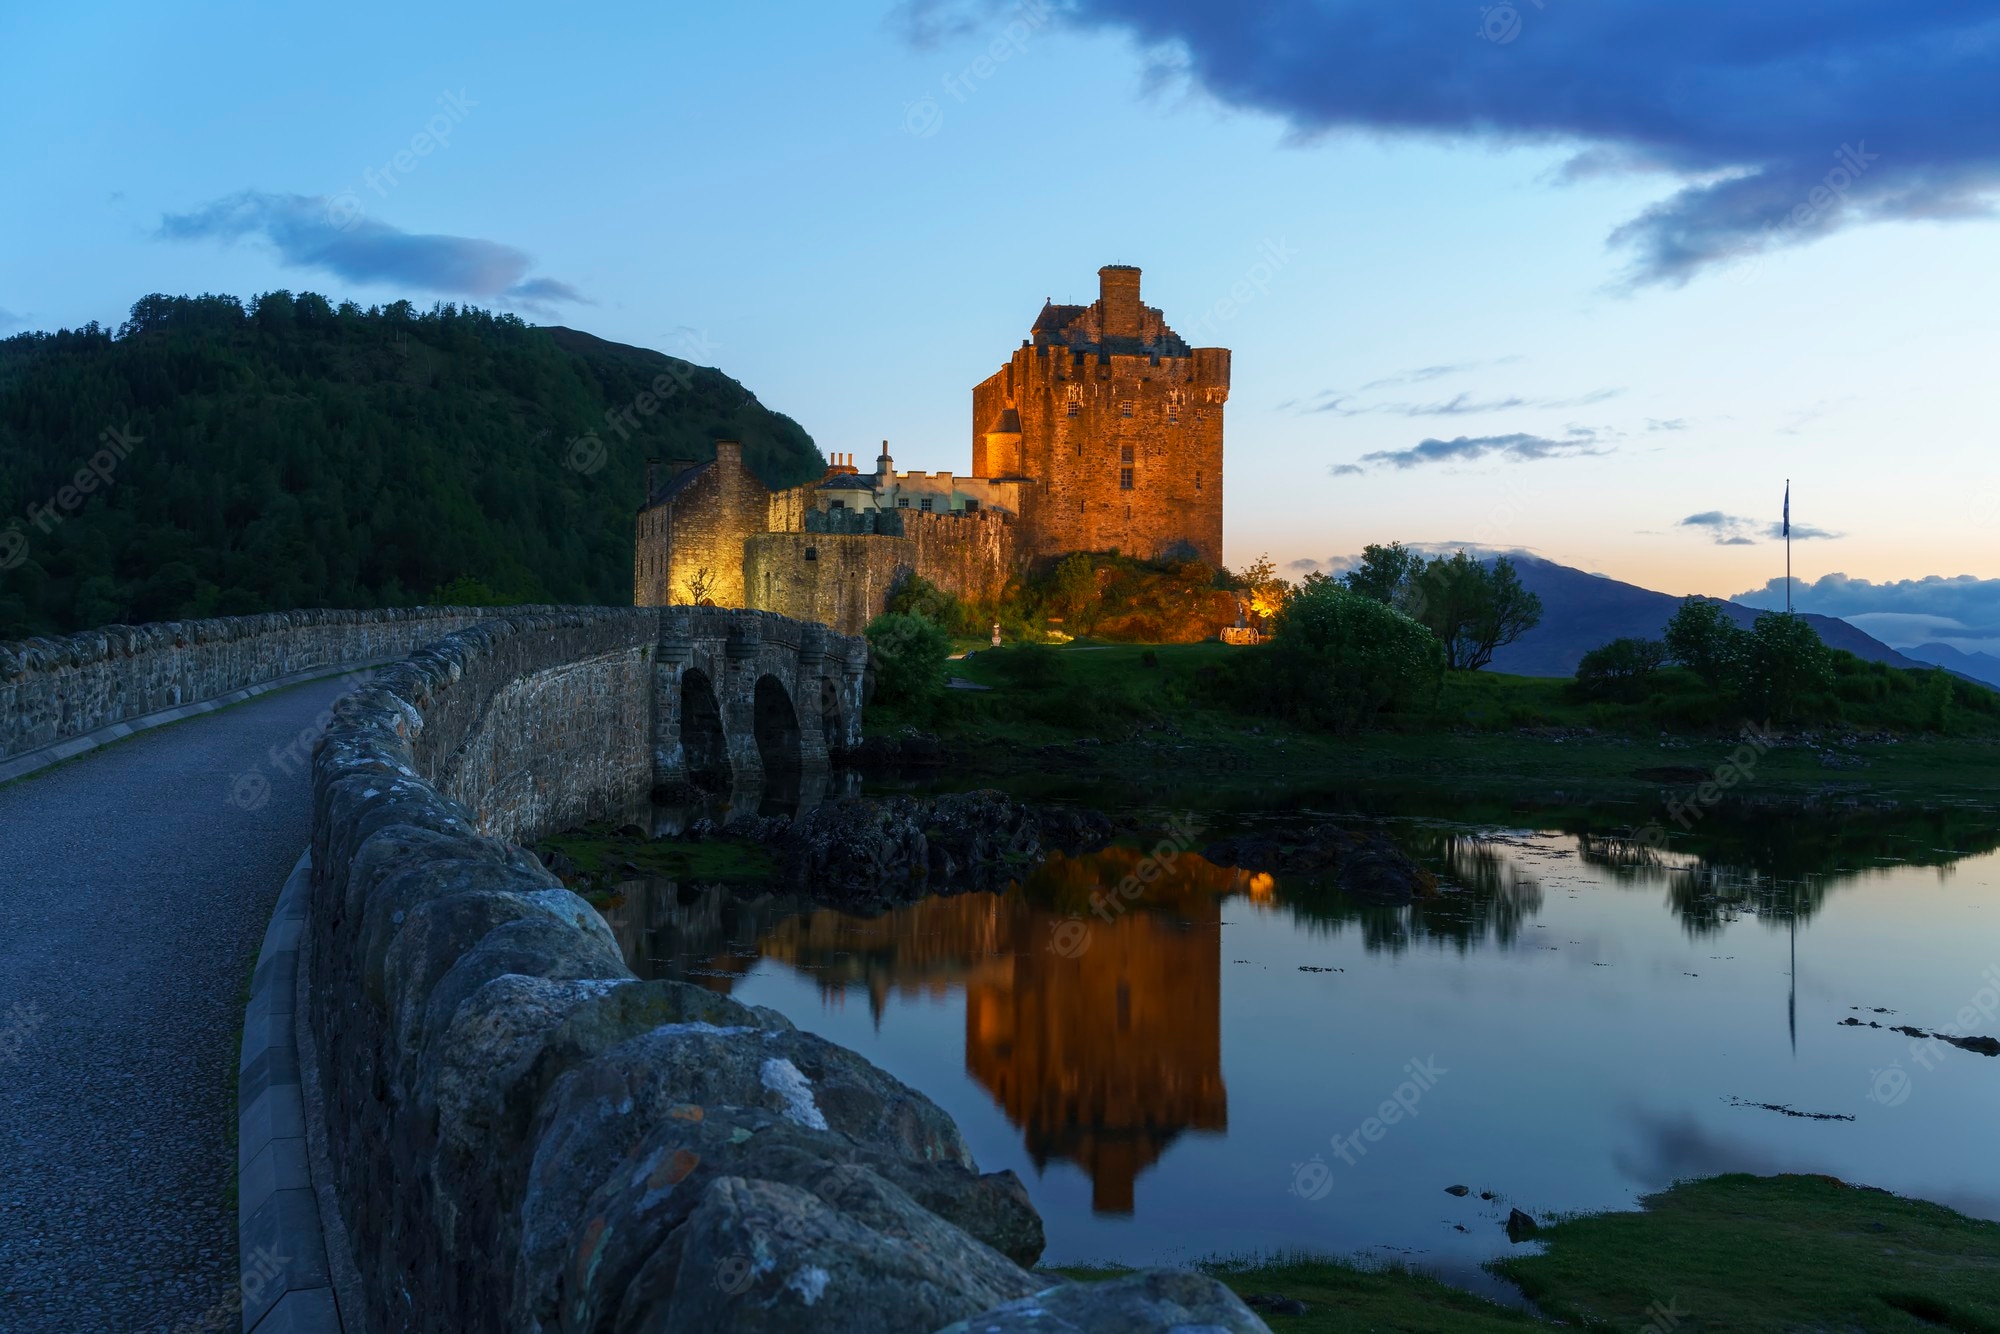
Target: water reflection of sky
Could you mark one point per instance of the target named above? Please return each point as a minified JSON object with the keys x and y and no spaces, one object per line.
{"x":1171,"y":1083}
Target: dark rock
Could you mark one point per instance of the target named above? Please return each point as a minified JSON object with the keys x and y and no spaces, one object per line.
{"x":1520,"y":1226}
{"x":758,"y":1257}
{"x":1145,"y":1303}
{"x":1275,"y":1304}
{"x":1364,"y":863}
{"x":865,"y":851}
{"x":1460,"y":1191}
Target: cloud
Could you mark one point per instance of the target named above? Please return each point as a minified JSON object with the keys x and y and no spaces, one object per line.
{"x":1676,"y":424}
{"x":1461,"y":405}
{"x":329,"y":235}
{"x":1516,"y":448}
{"x":1959,"y":608}
{"x":9,"y":320}
{"x":1733,"y":530}
{"x":1779,"y":123}
{"x":1425,"y":374}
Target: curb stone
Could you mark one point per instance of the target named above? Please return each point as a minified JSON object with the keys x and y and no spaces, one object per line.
{"x":288,"y":1273}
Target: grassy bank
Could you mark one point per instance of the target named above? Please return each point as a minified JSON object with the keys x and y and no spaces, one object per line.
{"x":1754,"y":1254}
{"x":1148,"y":715}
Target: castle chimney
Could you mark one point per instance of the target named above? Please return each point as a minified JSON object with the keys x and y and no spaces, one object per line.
{"x":729,"y":452}
{"x":884,"y":465}
{"x":1118,"y":295}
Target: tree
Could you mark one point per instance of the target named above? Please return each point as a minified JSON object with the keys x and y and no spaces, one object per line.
{"x":1337,"y":658}
{"x":1784,"y":665}
{"x":908,"y":654}
{"x":1703,"y":639}
{"x":1263,"y":589}
{"x":1074,"y":585}
{"x":1473,"y":608}
{"x":701,"y":587}
{"x":1387,"y":574}
{"x":1621,"y":669}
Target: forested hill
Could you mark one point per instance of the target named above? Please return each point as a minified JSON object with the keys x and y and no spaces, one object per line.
{"x":292,"y":454}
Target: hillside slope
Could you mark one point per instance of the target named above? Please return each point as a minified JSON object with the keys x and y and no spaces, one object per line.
{"x":1583,"y":611}
{"x":1978,"y":666}
{"x":294,"y":455}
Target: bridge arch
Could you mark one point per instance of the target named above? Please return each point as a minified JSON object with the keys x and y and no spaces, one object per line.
{"x":704,"y":743}
{"x":775,"y":720}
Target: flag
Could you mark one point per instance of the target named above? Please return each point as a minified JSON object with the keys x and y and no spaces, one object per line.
{"x":1788,"y":509}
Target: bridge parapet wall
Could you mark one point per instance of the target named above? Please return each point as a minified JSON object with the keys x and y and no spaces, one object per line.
{"x":59,"y":689}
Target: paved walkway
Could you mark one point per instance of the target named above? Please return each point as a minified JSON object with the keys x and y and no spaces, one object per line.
{"x":135,"y":886}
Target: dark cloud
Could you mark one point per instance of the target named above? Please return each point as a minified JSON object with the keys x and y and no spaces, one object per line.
{"x":1781,"y":122}
{"x":331,"y":236}
{"x":1959,"y":607}
{"x":9,"y":320}
{"x":1516,"y":448}
{"x":1733,"y":530}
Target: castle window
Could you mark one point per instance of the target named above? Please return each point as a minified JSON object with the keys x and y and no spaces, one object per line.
{"x":1197,"y":479}
{"x":1125,"y":408}
{"x":836,"y":505}
{"x":812,"y":553}
{"x":924,"y":504}
{"x":1173,"y":416}
{"x":1125,"y":454}
{"x":1124,"y":479}
{"x":971,"y":506}
{"x":902,"y":502}
{"x":1074,"y":407}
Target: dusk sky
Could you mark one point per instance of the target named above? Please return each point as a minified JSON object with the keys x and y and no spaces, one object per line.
{"x":1589,"y":279}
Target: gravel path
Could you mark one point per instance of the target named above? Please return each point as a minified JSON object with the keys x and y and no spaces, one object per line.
{"x":135,"y":886}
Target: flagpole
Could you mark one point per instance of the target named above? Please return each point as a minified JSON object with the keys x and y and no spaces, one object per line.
{"x":1788,"y":546}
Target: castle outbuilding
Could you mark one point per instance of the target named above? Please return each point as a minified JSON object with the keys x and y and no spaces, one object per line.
{"x":1103,"y":431}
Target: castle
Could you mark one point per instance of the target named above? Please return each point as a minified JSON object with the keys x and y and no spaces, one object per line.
{"x":1102,"y":432}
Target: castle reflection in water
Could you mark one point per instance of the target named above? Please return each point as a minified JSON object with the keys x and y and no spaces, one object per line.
{"x":1098,"y":1033}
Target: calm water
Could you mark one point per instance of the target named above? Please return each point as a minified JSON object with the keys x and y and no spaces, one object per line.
{"x":1588,"y":1022}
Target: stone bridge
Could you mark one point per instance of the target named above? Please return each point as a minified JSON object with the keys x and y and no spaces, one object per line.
{"x":750,"y":692}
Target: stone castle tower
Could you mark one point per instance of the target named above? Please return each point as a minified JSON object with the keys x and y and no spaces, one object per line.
{"x":1118,"y":421}
{"x":1102,"y":432}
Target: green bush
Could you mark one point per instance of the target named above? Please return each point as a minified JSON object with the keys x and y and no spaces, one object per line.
{"x":1621,"y":670}
{"x":1787,"y":670}
{"x":1702,"y":638}
{"x":909,"y":654}
{"x":1337,"y":659}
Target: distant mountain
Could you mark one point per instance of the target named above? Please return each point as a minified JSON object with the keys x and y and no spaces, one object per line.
{"x":1582,"y":611}
{"x":1982,"y":667}
{"x":297,"y":454}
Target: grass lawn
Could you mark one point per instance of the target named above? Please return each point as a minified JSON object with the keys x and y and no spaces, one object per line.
{"x":1486,"y":732}
{"x":1752,"y":1254}
{"x":601,"y":852}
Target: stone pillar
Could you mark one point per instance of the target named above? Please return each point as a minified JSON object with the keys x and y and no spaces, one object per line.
{"x":672,"y":656}
{"x":737,"y":693}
